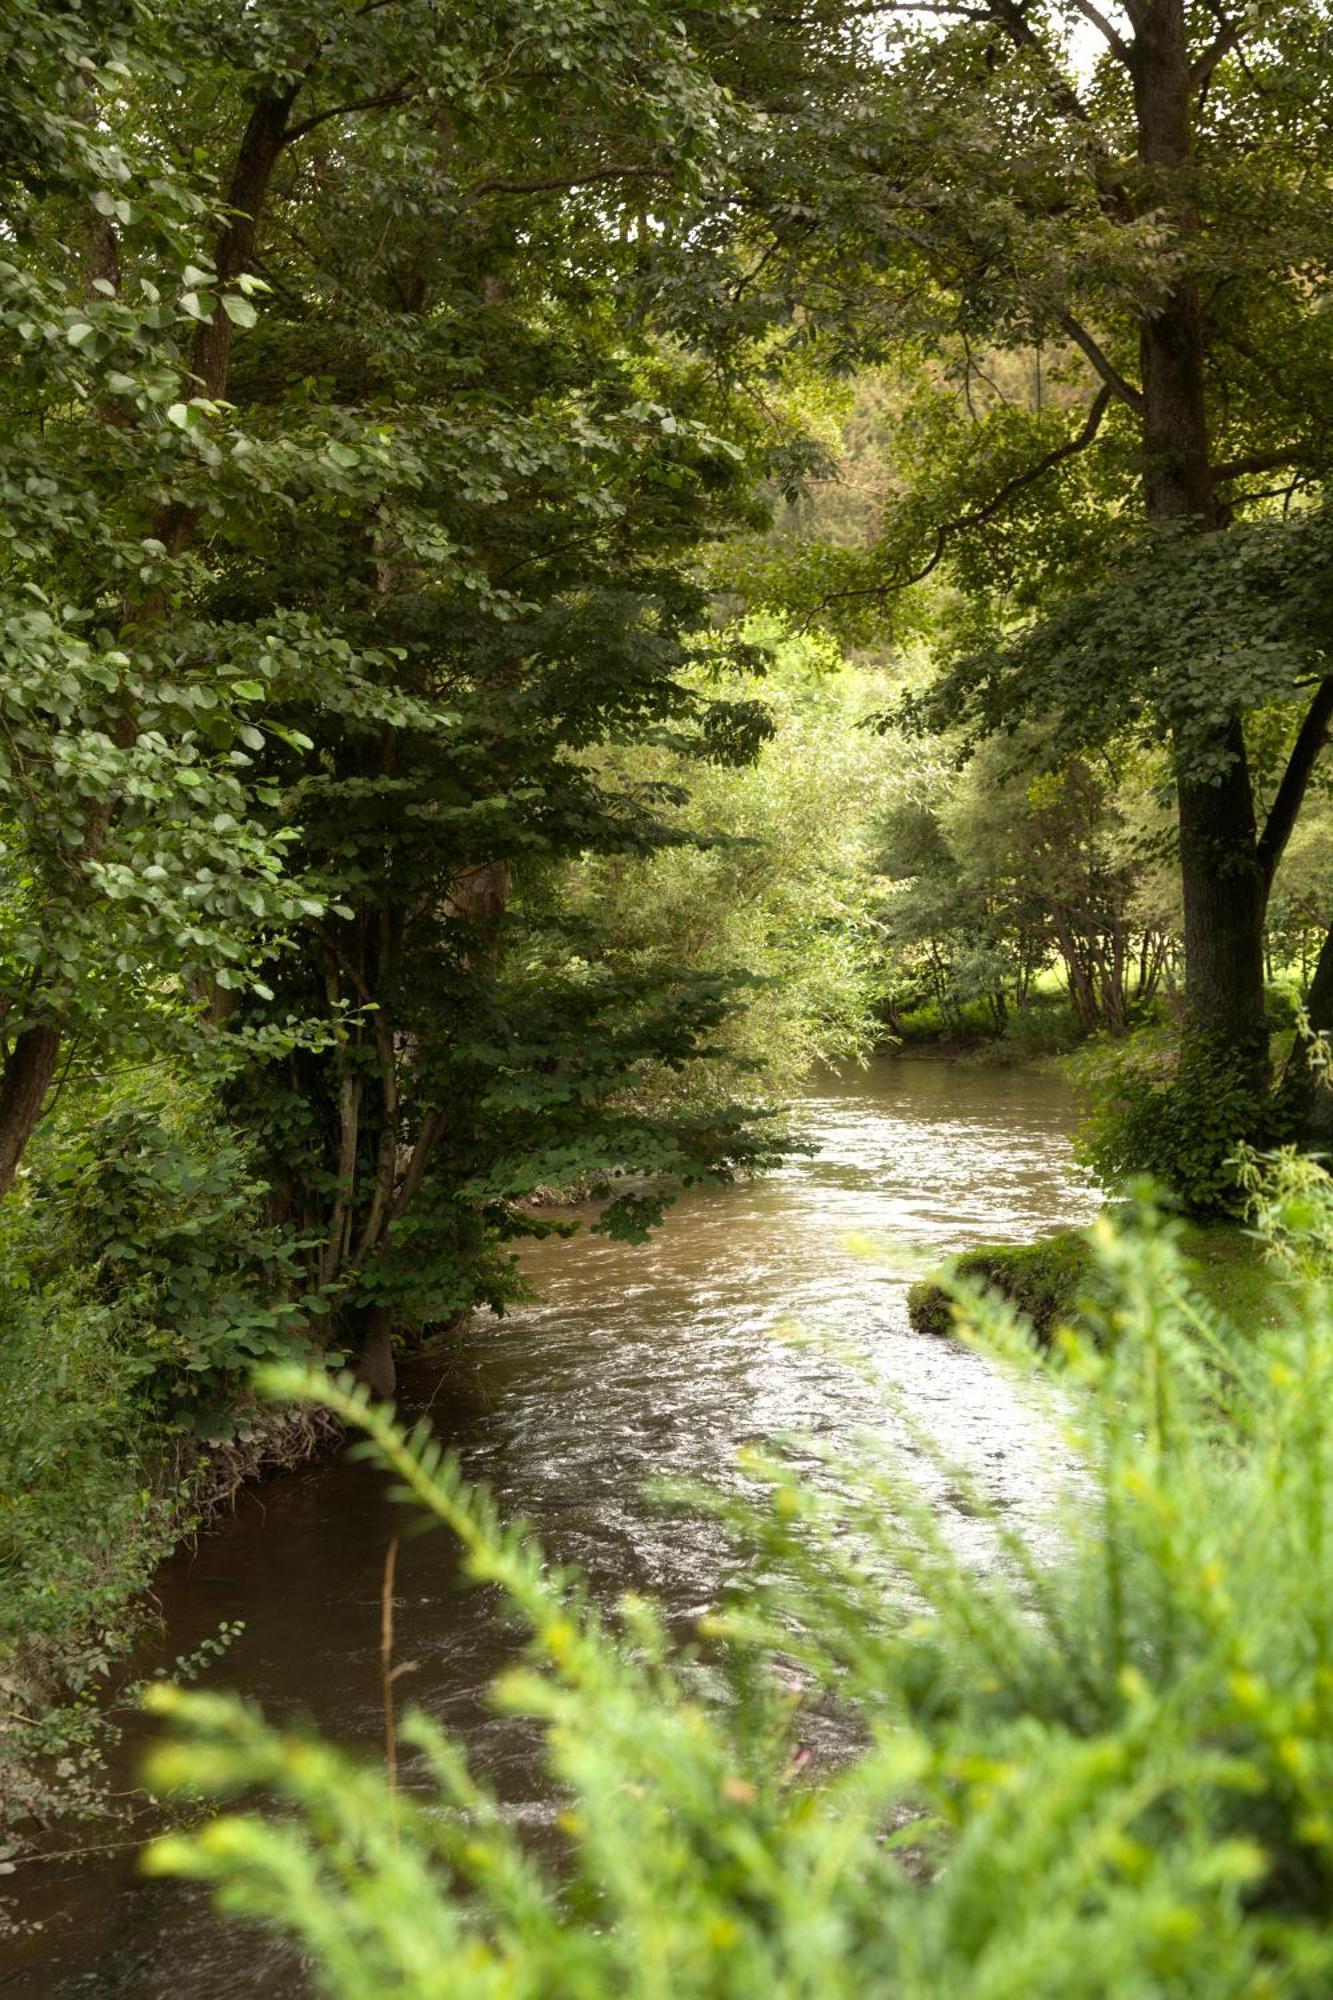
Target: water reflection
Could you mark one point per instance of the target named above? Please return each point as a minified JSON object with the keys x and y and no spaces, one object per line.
{"x":636,"y":1362}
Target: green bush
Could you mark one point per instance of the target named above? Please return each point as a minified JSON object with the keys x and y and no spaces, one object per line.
{"x":970,"y":1020}
{"x":159,"y":1203}
{"x":137,"y":1292}
{"x":1177,"y":1111}
{"x":1283,"y":1002}
{"x":1043,"y":1028}
{"x":74,"y":1449}
{"x":1102,"y":1771}
{"x":86,"y":1512}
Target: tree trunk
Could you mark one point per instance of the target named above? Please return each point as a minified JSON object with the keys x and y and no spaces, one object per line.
{"x":1224,"y":896}
{"x":26,"y":1079}
{"x":1221,"y":881}
{"x":376,"y":1367}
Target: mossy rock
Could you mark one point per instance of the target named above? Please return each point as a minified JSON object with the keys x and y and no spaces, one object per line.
{"x":1042,"y":1280}
{"x":1047,"y":1280}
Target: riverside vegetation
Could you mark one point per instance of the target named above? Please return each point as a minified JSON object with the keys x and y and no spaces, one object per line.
{"x":559,"y":565}
{"x":1105,"y":1774}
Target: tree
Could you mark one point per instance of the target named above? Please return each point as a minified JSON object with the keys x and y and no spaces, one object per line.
{"x":769,"y":870}
{"x":1019,"y":861}
{"x":135,"y":863}
{"x":1138,"y":207}
{"x":437,"y":491}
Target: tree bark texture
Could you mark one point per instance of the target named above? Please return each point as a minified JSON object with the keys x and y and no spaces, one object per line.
{"x":1222,"y":882}
{"x":24,"y":1083}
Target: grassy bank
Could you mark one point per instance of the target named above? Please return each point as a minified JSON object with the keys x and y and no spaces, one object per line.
{"x":1053,"y":1280}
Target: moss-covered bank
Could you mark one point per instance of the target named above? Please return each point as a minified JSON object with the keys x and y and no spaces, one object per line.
{"x":1049,"y":1280}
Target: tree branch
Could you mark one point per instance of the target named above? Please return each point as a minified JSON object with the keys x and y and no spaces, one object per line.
{"x":1105,"y":367}
{"x":556,"y":183}
{"x":1305,"y":752}
{"x":1117,"y":44}
{"x":978,"y":516}
{"x":939,"y":7}
{"x":1222,"y":44}
{"x":1287,"y":459}
{"x":1011,"y":15}
{"x":397,"y":93}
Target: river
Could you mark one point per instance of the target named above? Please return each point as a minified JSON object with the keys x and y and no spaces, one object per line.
{"x":632,"y":1362}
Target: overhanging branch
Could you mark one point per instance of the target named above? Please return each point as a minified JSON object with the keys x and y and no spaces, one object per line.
{"x":1117,"y":44}
{"x":1310,"y":740}
{"x":977,"y":517}
{"x":557,"y":183}
{"x":397,"y":93}
{"x":1285,"y":459}
{"x":1102,"y":362}
{"x":1222,"y":43}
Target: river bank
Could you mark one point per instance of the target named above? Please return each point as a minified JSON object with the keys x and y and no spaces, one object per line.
{"x":1046,"y":1281}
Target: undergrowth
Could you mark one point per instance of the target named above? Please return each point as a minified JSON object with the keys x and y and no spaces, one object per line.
{"x":136,"y":1294}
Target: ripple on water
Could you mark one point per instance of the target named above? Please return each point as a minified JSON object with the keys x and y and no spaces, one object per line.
{"x":632,"y":1362}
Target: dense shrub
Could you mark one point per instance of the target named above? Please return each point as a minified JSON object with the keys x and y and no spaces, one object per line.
{"x":157,"y":1201}
{"x":73,"y":1447}
{"x":1103,"y":1772}
{"x":1043,"y":1027}
{"x":137,"y":1291}
{"x":969,"y":1020}
{"x":1177,"y":1111}
{"x":86,"y":1511}
{"x":1283,"y":1002}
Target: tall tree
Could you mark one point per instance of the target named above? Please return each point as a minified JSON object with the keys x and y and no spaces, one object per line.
{"x":1128,"y":194}
{"x":357,"y":477}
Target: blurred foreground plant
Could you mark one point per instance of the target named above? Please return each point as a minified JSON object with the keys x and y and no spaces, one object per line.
{"x":1104,"y":1773}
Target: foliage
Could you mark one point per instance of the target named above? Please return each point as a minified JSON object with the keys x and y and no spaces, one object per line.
{"x":157,"y":1202}
{"x":138,"y":858}
{"x":1017,"y":863}
{"x":76,"y":1443}
{"x":1084,"y":248}
{"x":1037,"y":1029}
{"x":1044,"y":1281}
{"x":767,"y":869}
{"x":1181,"y":1111}
{"x":86,"y":1512}
{"x":1185,"y":631}
{"x":321,"y":586}
{"x":138,"y":1287}
{"x":1104,"y":1773}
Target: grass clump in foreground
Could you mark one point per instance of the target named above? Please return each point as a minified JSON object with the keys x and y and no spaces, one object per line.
{"x":1106,"y":1773}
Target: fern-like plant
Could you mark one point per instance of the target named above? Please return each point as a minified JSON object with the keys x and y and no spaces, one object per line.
{"x":1104,"y":1773}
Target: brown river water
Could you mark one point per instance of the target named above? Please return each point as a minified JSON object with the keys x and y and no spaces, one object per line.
{"x":633,"y":1362}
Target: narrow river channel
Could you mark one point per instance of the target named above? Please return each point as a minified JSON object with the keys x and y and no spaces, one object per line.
{"x":632,"y":1362}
